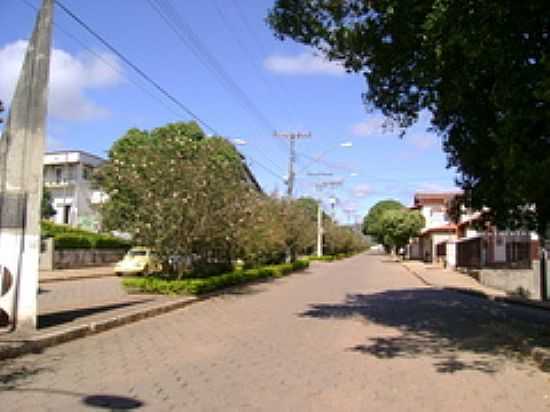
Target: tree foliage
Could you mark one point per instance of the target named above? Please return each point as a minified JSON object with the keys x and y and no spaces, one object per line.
{"x":186,"y":195}
{"x":399,"y":225}
{"x":372,"y":222}
{"x":480,"y":67}
{"x":178,"y":192}
{"x":46,"y":207}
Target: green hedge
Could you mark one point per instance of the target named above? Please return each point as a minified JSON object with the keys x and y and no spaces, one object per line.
{"x":67,"y":237}
{"x":198,"y":286}
{"x":72,"y":241}
{"x":330,"y":258}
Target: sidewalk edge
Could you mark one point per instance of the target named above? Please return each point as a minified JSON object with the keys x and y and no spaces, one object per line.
{"x":39,"y":343}
{"x":541,"y":356}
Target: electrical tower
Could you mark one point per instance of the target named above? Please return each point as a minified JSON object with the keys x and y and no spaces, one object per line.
{"x":292,"y":137}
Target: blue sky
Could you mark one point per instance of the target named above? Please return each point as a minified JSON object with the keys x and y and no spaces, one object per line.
{"x":94,"y":99}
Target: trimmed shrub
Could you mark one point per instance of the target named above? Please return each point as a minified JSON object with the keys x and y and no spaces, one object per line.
{"x":68,"y":237}
{"x":198,"y":286}
{"x":110,"y":242}
{"x":72,"y":241}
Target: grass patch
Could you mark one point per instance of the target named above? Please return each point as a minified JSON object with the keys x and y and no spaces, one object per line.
{"x":198,"y":286}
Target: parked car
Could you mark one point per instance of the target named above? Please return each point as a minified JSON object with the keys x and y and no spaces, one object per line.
{"x":138,"y":261}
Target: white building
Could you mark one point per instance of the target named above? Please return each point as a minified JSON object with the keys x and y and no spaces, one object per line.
{"x":67,"y":176}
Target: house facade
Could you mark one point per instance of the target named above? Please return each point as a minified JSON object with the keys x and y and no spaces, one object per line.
{"x":438,"y":226}
{"x":68,"y":177}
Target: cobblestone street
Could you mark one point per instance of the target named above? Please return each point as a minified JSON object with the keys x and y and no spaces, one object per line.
{"x":355,"y":335}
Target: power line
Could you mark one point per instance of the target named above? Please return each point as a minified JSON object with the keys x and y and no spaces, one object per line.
{"x":178,"y":25}
{"x":139,"y":72}
{"x":175,"y":22}
{"x":135,"y":67}
{"x":292,"y":137}
{"x":107,"y":62}
{"x":251,"y":58}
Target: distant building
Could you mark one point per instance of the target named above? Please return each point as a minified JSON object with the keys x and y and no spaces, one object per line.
{"x":438,"y":228}
{"x":67,"y":176}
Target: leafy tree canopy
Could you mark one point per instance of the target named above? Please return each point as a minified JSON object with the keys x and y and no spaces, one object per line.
{"x":399,"y":225}
{"x":480,"y":67}
{"x":178,"y":192}
{"x":372,"y":222}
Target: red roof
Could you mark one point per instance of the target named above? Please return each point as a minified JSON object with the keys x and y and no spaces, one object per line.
{"x":434,"y":197}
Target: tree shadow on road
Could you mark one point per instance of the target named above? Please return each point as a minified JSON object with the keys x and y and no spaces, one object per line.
{"x":459,"y":332}
{"x":66,"y":316}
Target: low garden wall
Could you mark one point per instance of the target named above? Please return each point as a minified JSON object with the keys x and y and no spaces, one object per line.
{"x":525,"y":282}
{"x":75,"y":258}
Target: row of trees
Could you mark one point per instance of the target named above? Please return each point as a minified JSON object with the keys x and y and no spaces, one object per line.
{"x":186,"y":195}
{"x":391,"y":224}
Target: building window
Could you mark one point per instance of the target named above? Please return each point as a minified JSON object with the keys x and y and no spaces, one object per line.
{"x":66,"y":214}
{"x":87,"y":172}
{"x":58,"y":175}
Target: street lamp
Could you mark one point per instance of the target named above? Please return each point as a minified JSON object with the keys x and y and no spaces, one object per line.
{"x":239,"y":142}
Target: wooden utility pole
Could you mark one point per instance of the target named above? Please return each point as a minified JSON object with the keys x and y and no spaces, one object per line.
{"x":292,"y":137}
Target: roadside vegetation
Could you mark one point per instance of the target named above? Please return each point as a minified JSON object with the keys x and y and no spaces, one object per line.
{"x":479,"y":70}
{"x":68,"y":237}
{"x":391,"y":224}
{"x":166,"y":285}
{"x":192,"y":200}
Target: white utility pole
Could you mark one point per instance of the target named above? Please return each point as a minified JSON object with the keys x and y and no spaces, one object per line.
{"x":292,"y":137}
{"x":21,"y":159}
{"x":320,"y":186}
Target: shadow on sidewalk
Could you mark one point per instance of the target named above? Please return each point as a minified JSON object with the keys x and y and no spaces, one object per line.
{"x":460,"y":332}
{"x":66,"y":316}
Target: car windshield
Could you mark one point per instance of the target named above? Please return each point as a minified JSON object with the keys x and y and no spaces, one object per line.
{"x":133,"y":253}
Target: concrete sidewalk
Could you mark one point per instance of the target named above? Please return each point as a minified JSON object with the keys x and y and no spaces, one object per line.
{"x":47,"y":276}
{"x":84,"y":306}
{"x":436,"y":276}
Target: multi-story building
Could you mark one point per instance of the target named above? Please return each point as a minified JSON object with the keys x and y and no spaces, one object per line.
{"x":438,"y":228}
{"x":67,"y":176}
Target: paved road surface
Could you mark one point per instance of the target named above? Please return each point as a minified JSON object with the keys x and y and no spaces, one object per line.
{"x":356,"y":335}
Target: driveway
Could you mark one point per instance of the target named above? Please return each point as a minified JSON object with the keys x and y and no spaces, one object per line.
{"x":355,"y":335}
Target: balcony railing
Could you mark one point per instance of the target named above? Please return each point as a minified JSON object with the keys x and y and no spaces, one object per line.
{"x":59,"y":183}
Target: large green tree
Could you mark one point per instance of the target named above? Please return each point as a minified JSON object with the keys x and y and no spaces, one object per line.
{"x":177,"y":191}
{"x":372,"y":222}
{"x":480,"y":67}
{"x":399,"y":225}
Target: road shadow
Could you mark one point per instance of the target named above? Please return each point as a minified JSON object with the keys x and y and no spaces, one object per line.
{"x":460,"y":332}
{"x":66,"y":316}
{"x":109,"y":402}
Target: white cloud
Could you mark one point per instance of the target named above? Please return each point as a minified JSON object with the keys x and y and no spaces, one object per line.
{"x":375,"y":125}
{"x":422,"y":141}
{"x":361,"y":190}
{"x":303,"y":64}
{"x":70,"y":77}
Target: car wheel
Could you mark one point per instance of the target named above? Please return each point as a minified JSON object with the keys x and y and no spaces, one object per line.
{"x":118,"y":273}
{"x":145,"y":271}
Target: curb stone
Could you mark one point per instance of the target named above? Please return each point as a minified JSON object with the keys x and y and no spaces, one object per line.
{"x":540,"y":355}
{"x":41,"y":342}
{"x":74,"y":278}
{"x":38,"y":343}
